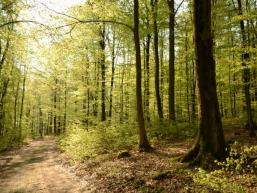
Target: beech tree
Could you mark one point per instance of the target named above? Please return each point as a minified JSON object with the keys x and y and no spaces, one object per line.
{"x":210,"y":139}
{"x":143,"y":141}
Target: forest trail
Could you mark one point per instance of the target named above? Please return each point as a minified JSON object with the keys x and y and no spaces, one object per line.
{"x":34,"y":169}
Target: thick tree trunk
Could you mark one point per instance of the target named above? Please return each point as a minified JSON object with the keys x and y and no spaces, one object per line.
{"x":156,"y":58}
{"x":210,"y":140}
{"x":172,"y":116}
{"x":143,"y":141}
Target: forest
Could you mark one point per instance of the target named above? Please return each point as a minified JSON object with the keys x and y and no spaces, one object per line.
{"x":151,"y":96}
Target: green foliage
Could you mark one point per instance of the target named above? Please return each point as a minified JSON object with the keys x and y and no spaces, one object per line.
{"x":241,"y":159}
{"x":240,"y":162}
{"x":216,"y":181}
{"x":161,"y":175}
{"x":165,"y":130}
{"x":81,"y":143}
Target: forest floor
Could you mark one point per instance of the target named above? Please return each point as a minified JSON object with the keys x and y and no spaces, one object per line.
{"x":40,"y":168}
{"x":34,"y":169}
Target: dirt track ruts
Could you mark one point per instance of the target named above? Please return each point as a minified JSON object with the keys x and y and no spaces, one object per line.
{"x":35,"y":169}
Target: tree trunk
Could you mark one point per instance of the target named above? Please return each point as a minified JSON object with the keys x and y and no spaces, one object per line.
{"x":210,"y":140}
{"x":102,"y":46}
{"x":113,"y":73}
{"x":22,"y":102}
{"x":65,"y":103}
{"x":16,"y":97}
{"x":172,"y":116}
{"x":143,"y":141}
{"x":55,"y":106}
{"x":187,"y":76}
{"x":193,"y":94}
{"x":147,"y":76}
{"x":246,"y":74}
{"x":156,"y":58}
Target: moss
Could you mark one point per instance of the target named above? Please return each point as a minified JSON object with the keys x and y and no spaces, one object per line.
{"x":161,"y":175}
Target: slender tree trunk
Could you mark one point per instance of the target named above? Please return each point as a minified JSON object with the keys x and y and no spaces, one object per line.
{"x":122,"y":95}
{"x":102,"y":45}
{"x":95,"y":104}
{"x":246,"y":74}
{"x":16,"y":97}
{"x":3,"y":94}
{"x":162,"y":68}
{"x":113,"y":73}
{"x":172,"y":116}
{"x":210,"y":140}
{"x":156,"y":58}
{"x":143,"y":141}
{"x":65,"y":103}
{"x":147,"y":76}
{"x":55,"y":106}
{"x":22,"y":102}
{"x":187,"y":77}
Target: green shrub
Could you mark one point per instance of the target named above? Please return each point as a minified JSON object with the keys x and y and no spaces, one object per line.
{"x":165,"y":130}
{"x":217,"y":181}
{"x":241,"y":159}
{"x":82,"y":143}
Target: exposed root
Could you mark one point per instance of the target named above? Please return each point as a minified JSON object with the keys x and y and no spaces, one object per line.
{"x":147,"y":149}
{"x":191,"y":154}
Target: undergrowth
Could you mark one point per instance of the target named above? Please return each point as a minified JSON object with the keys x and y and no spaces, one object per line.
{"x":82,"y":143}
{"x":234,"y":174}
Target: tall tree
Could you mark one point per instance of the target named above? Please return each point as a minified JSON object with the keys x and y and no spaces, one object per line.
{"x":172,"y":116}
{"x":210,"y":139}
{"x":143,"y":141}
{"x":246,"y":73}
{"x":156,"y":58}
{"x":102,"y":63}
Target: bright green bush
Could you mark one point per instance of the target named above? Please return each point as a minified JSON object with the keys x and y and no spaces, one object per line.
{"x":83,"y":143}
{"x":241,"y":159}
{"x":216,"y":181}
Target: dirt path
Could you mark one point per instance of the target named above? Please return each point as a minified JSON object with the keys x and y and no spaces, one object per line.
{"x":34,"y":169}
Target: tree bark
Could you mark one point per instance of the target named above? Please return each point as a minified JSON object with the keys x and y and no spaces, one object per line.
{"x":172,"y":116}
{"x":143,"y":141}
{"x":102,"y":46}
{"x":147,"y":76}
{"x":113,"y":73}
{"x":156,"y":58}
{"x":210,"y":140}
{"x":22,"y":102}
{"x":246,"y":74}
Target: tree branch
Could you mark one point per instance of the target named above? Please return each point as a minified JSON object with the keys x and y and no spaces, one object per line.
{"x":179,"y":6}
{"x":20,"y":21}
{"x":86,"y":21}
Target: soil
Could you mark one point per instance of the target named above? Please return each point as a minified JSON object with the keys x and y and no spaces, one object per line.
{"x":40,"y":167}
{"x":34,"y":169}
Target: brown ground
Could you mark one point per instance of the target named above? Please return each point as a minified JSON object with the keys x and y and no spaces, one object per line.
{"x":40,"y":168}
{"x":34,"y":169}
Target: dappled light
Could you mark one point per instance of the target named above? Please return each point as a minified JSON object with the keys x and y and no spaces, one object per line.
{"x":128,"y":96}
